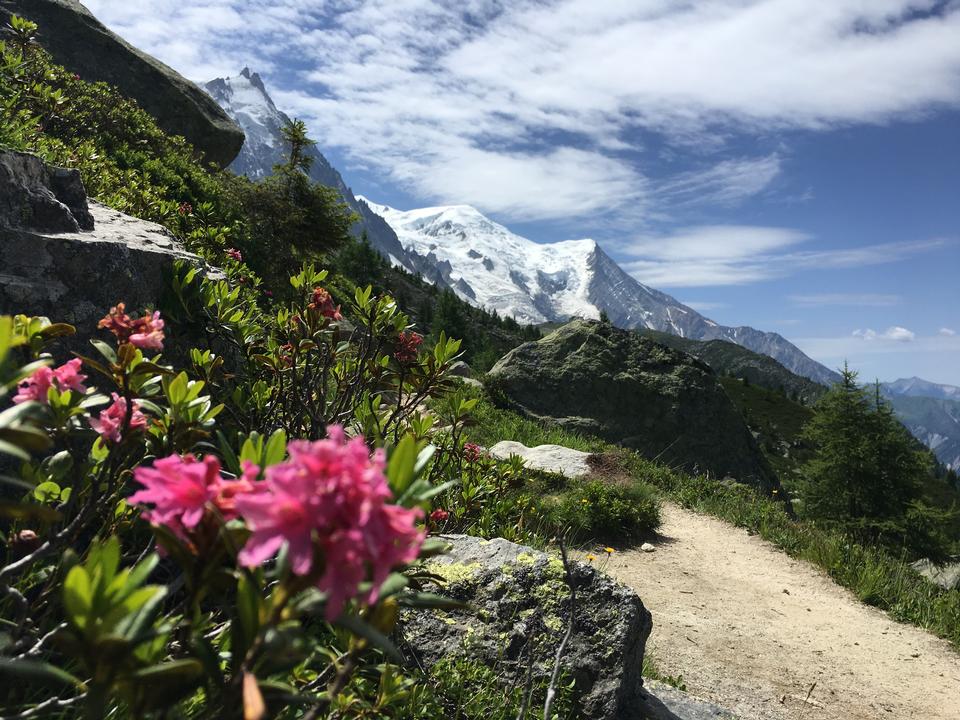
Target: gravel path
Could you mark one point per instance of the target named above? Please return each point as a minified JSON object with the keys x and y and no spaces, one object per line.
{"x":753,"y":630}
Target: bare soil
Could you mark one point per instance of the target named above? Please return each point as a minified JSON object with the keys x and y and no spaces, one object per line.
{"x":768,"y":636}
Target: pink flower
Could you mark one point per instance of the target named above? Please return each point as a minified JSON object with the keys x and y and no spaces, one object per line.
{"x":438,"y":516}
{"x":65,"y":377}
{"x":145,"y":333}
{"x":472,"y":452}
{"x":234,"y":254}
{"x":322,"y":302}
{"x":185,"y":208}
{"x":407,"y":347}
{"x":110,"y":423}
{"x":69,"y":377}
{"x":183,"y":490}
{"x":331,"y":497}
{"x":150,"y":333}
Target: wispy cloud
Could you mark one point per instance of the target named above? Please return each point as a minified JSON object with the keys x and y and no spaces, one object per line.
{"x":894,"y":333}
{"x":946,"y":332}
{"x":541,"y":98}
{"x":854,"y":300}
{"x":717,"y":255}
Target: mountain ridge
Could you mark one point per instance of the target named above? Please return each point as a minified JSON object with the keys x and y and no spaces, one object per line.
{"x":488,"y":265}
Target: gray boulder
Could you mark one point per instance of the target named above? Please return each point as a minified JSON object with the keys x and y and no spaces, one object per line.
{"x":72,"y":261}
{"x":596,"y":379}
{"x":81,"y":43}
{"x":515,"y":593}
{"x":663,"y":702}
{"x":549,"y":458}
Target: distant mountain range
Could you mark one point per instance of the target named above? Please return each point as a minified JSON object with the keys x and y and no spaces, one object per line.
{"x":932,"y":414}
{"x":486,"y":264}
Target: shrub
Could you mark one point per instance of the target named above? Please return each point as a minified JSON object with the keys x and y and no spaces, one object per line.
{"x":616,"y":511}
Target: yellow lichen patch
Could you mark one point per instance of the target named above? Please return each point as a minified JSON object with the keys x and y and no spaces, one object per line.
{"x":455,"y":572}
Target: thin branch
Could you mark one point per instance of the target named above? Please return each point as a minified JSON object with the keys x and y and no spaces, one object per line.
{"x":554,"y":677}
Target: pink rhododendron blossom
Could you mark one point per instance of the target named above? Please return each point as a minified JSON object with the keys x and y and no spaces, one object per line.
{"x":65,"y":377}
{"x":182,"y":490}
{"x":408,"y":344}
{"x":145,"y":332}
{"x":150,"y":333}
{"x":110,"y":422}
{"x":322,"y":302}
{"x":234,"y":254}
{"x":438,"y":516}
{"x":472,"y":452}
{"x":69,"y":377}
{"x":331,"y":496}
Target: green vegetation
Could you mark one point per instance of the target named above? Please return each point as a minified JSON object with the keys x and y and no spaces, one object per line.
{"x":868,"y":474}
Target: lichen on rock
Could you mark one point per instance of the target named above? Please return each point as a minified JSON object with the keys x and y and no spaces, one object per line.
{"x":514,"y":593}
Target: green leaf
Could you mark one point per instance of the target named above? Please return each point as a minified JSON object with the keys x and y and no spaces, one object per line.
{"x":47,"y":491}
{"x":78,"y":596}
{"x":247,"y":623}
{"x":369,"y":633}
{"x":105,"y":350}
{"x":276,"y":449}
{"x":161,"y":686}
{"x":40,"y":671}
{"x":400,"y":468}
{"x":28,"y":511}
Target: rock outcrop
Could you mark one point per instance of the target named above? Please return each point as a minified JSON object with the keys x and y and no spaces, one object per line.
{"x":69,"y":260}
{"x":81,"y":43}
{"x":515,"y":593}
{"x":594,"y":378}
{"x":548,"y":458}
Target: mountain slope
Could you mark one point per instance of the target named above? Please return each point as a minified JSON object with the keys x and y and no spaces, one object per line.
{"x":918,"y":387}
{"x":488,"y":265}
{"x":245,"y":99}
{"x":933,"y":421}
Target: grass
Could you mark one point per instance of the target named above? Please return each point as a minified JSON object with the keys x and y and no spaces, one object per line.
{"x":874,"y":575}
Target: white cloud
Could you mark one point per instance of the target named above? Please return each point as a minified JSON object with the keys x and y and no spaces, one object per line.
{"x":855,"y":300}
{"x":715,"y":255}
{"x":444,"y":95}
{"x":894,"y":333}
{"x":946,"y":332}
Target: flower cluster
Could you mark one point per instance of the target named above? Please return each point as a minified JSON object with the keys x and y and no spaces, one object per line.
{"x":328,"y":504}
{"x":234,"y":254}
{"x":408,"y":345}
{"x":185,"y":209}
{"x":182,"y":490}
{"x":110,"y":422}
{"x":145,"y":332}
{"x":472,"y":452}
{"x":65,"y":377}
{"x":322,"y":302}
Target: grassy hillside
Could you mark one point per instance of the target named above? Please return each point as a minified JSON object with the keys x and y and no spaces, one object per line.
{"x":730,"y":359}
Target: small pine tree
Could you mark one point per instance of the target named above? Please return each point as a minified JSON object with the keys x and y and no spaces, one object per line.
{"x":604,"y":318}
{"x":868,"y":473}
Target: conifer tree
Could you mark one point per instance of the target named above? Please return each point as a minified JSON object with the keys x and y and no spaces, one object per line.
{"x":868,"y":473}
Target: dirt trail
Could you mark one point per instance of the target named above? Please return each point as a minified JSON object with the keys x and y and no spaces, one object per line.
{"x":752,"y":629}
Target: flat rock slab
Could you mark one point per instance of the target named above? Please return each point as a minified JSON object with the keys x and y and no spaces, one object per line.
{"x":548,"y":458}
{"x":515,"y":593}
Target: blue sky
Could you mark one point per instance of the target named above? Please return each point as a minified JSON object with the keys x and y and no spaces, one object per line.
{"x":793,"y":165}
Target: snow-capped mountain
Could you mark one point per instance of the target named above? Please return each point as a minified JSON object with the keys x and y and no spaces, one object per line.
{"x":245,"y":99}
{"x":488,"y":265}
{"x":485,"y":263}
